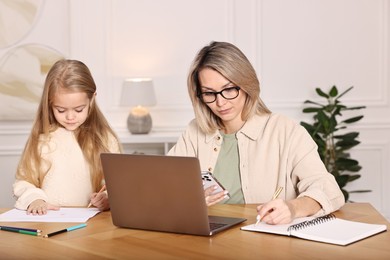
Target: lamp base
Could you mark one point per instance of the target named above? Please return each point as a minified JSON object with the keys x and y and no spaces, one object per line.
{"x":139,"y":124}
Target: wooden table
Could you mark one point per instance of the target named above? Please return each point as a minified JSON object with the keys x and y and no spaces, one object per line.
{"x":101,"y":240}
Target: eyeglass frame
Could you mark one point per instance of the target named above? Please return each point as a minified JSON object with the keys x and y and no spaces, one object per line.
{"x":220,"y":93}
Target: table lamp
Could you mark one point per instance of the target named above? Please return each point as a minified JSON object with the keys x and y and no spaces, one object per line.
{"x":138,"y":93}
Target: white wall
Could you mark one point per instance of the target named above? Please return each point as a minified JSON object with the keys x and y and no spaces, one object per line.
{"x":295,"y":46}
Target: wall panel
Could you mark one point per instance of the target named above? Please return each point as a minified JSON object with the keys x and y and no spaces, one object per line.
{"x":295,"y":46}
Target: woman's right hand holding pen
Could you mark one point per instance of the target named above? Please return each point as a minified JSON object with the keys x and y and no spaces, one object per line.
{"x":40,"y":207}
{"x":276,"y":211}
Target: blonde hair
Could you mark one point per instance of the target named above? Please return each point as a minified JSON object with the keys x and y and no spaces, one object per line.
{"x":231,"y":63}
{"x":93,"y":135}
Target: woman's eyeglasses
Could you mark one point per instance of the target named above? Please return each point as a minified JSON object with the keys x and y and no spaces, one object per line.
{"x":227,"y":93}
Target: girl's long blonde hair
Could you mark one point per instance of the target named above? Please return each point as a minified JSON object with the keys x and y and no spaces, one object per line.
{"x":231,"y":63}
{"x":94,"y":135}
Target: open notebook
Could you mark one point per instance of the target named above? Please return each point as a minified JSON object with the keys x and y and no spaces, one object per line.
{"x":326,"y":229}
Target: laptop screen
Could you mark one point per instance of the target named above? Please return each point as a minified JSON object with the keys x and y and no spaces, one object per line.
{"x":156,"y":192}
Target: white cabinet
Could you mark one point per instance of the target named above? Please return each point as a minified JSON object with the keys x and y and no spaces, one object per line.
{"x":152,"y":143}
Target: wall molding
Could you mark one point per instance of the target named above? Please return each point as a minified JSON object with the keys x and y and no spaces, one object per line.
{"x":11,"y":150}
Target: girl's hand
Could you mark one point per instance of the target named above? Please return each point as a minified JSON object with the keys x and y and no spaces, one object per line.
{"x":100,"y":201}
{"x":40,"y":207}
{"x":214,"y":199}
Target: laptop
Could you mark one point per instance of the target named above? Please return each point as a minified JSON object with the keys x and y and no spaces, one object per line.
{"x":159,"y":193}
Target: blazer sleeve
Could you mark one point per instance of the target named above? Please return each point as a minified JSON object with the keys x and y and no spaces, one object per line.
{"x":186,"y":145}
{"x":312,"y":178}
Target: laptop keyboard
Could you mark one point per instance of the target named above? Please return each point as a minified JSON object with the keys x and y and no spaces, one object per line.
{"x":214,"y":226}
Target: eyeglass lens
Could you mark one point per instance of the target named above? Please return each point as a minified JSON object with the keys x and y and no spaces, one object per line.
{"x":227,"y":93}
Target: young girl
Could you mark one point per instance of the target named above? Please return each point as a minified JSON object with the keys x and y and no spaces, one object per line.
{"x":60,"y":164}
{"x":250,"y":150}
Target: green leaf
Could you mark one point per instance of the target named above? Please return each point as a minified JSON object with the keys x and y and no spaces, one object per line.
{"x":323,"y":119}
{"x":347,"y":161}
{"x":354,"y":168}
{"x":312,"y":102}
{"x":352,"y":119}
{"x":333,"y":91}
{"x":345,"y":92}
{"x":321,"y":93}
{"x":354,"y":108}
{"x":340,"y":128}
{"x":344,"y":164}
{"x":346,"y":145}
{"x":360,"y":191}
{"x":306,"y":125}
{"x":342,"y":180}
{"x":353,"y":177}
{"x":311,"y":109}
{"x":349,"y":136}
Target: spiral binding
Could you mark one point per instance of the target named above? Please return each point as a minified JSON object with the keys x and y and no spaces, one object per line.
{"x":312,"y":222}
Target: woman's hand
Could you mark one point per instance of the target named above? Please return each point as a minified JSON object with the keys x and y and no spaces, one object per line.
{"x":100,"y":201}
{"x":279,"y":211}
{"x":275,"y":212}
{"x":40,"y":207}
{"x":215,"y":198}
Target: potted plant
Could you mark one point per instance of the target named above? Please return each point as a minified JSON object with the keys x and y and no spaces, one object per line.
{"x":328,"y":130}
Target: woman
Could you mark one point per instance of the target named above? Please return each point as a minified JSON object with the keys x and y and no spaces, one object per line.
{"x":249,"y":149}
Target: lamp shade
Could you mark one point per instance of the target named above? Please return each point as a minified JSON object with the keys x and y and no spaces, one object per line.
{"x":138,"y":92}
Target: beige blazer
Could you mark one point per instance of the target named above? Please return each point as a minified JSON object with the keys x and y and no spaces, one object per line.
{"x":273,"y":151}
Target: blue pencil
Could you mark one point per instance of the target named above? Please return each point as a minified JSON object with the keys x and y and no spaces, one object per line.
{"x":66,"y":230}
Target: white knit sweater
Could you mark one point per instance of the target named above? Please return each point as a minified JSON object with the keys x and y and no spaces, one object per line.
{"x":68,"y":181}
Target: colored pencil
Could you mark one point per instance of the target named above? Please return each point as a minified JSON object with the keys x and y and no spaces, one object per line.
{"x":26,"y":229}
{"x":20,"y":231}
{"x":66,"y":230}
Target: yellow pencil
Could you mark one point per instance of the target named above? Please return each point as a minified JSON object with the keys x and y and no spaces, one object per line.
{"x":100,"y":191}
{"x":276,"y":195}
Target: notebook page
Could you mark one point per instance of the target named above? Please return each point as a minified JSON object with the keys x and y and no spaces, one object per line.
{"x":274,"y":229}
{"x":338,"y":231}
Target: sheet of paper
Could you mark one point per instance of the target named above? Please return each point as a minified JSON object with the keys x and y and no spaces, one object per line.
{"x":281,"y":229}
{"x":78,"y":215}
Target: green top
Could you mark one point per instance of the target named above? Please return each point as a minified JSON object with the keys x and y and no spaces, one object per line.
{"x":227,"y":169}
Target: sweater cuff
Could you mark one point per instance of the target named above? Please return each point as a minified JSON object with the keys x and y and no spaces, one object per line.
{"x":24,"y":201}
